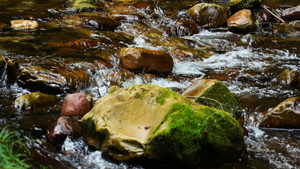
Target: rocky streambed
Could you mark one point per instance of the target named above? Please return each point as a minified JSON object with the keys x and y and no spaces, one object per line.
{"x":52,"y":48}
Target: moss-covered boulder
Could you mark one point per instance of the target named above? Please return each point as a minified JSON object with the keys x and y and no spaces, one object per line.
{"x":284,"y":115}
{"x":213,"y":93}
{"x":148,"y":121}
{"x":242,"y":4}
{"x":33,"y":101}
{"x":208,"y":14}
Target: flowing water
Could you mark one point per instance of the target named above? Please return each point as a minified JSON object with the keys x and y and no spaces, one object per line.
{"x":248,"y":66}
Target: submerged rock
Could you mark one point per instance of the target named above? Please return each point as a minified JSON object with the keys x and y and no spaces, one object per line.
{"x":242,"y":21}
{"x":284,"y":115}
{"x":24,"y":24}
{"x":208,"y":14}
{"x":149,"y":61}
{"x":154,"y":122}
{"x":291,"y":13}
{"x":76,"y":104}
{"x":65,"y":126}
{"x":213,"y":93}
{"x":242,"y":4}
{"x":33,"y":101}
{"x":4,"y":26}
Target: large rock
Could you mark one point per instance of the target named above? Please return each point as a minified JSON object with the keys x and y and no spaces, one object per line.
{"x":208,"y":14}
{"x":75,"y":104}
{"x":149,"y":61}
{"x":33,"y":101}
{"x":291,"y":13}
{"x":284,"y":115}
{"x":12,"y":69}
{"x":241,"y":21}
{"x":64,"y":126}
{"x":242,"y":4}
{"x":154,"y":122}
{"x":54,"y":79}
{"x":24,"y":24}
{"x":213,"y":93}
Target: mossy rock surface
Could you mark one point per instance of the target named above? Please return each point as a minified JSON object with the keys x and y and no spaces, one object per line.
{"x":214,"y":93}
{"x":34,"y":100}
{"x":242,"y":4}
{"x":148,"y":121}
{"x":84,"y":4}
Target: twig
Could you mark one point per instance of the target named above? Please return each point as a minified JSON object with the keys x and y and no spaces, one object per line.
{"x":272,"y":13}
{"x":207,"y":98}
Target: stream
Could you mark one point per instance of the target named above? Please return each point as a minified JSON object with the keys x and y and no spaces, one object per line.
{"x":248,"y":65}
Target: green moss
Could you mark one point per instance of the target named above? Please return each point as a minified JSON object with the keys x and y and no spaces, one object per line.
{"x":190,"y":131}
{"x":165,"y":93}
{"x":141,"y":94}
{"x":221,"y":98}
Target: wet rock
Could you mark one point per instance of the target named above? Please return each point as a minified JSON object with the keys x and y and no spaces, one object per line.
{"x":289,"y":28}
{"x":291,"y":13}
{"x":75,"y":104}
{"x":84,"y":44}
{"x":288,"y":77}
{"x":118,"y":77}
{"x":52,"y":79}
{"x":149,"y":61}
{"x":284,"y":115}
{"x":264,"y":17}
{"x":2,"y":64}
{"x":208,"y":15}
{"x":242,"y":21}
{"x":33,"y":101}
{"x":185,"y":28}
{"x":214,"y":94}
{"x":4,"y":26}
{"x":102,"y":23}
{"x":154,"y":122}
{"x":242,"y":4}
{"x":24,"y":24}
{"x":12,"y":71}
{"x":85,"y":4}
{"x":65,"y":126}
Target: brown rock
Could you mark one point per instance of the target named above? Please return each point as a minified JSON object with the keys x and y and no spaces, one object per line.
{"x":102,"y":23}
{"x":291,"y":13}
{"x":24,"y":24}
{"x":75,"y":104}
{"x":2,"y":64}
{"x":284,"y":115}
{"x":242,"y":21}
{"x":4,"y":26}
{"x":288,"y":77}
{"x":12,"y":71}
{"x":185,"y":28}
{"x":208,"y":14}
{"x":52,"y":78}
{"x":149,"y":61}
{"x":118,"y":77}
{"x":65,"y":126}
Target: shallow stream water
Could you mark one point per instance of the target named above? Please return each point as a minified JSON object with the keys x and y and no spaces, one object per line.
{"x":248,"y":66}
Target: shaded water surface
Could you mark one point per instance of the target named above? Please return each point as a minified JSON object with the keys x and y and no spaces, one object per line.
{"x":249,"y":67}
